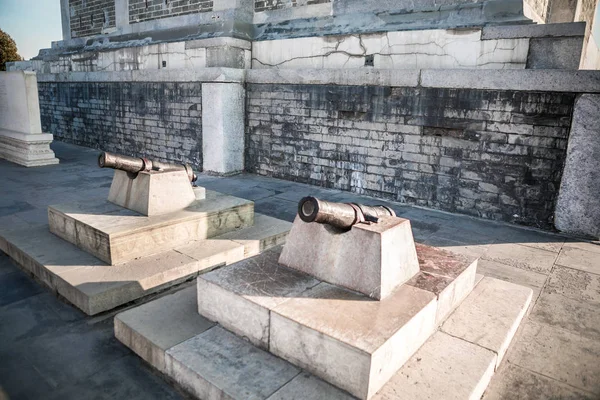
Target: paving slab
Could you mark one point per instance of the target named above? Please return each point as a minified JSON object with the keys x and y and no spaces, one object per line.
{"x":561,"y":311}
{"x":574,"y":284}
{"x":266,"y":232}
{"x":523,"y":257}
{"x":217,"y":365}
{"x":514,"y":382}
{"x":593,"y":247}
{"x":153,"y":328}
{"x":308,"y":387}
{"x":240,"y":297}
{"x":350,"y":340}
{"x":445,"y":367}
{"x":576,"y":258}
{"x":558,"y":354}
{"x":533,"y":280}
{"x":15,"y":286}
{"x":469,"y":250}
{"x":490,"y":315}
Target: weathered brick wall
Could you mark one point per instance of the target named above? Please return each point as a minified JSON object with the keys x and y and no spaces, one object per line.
{"x":263,"y":5}
{"x":89,"y":17}
{"x":155,"y":120}
{"x":145,"y":10}
{"x":493,"y":154}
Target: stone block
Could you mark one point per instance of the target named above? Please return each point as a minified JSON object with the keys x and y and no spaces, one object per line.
{"x":451,"y":277}
{"x":580,"y":258}
{"x":117,"y":235}
{"x":490,"y":315}
{"x":29,"y":150}
{"x":445,"y":367}
{"x":523,"y":257}
{"x":152,"y":193}
{"x":218,"y":365}
{"x":223,"y":127}
{"x":578,"y":206}
{"x":153,"y":328}
{"x":555,"y":53}
{"x":350,"y":340}
{"x":373,"y":259}
{"x":533,"y":31}
{"x":241,"y":296}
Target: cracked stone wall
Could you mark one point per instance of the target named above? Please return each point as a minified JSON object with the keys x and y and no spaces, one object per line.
{"x":455,"y":48}
{"x":91,"y":17}
{"x":488,"y":153}
{"x":146,"y":10}
{"x":162,"y":121}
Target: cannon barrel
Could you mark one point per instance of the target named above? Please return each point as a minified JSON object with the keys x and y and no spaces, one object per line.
{"x":340,"y":215}
{"x":134,"y":165}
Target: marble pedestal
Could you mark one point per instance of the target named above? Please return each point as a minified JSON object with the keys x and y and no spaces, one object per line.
{"x":116,"y":235}
{"x":344,"y":337}
{"x":21,"y":137}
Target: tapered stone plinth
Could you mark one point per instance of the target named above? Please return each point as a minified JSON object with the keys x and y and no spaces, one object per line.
{"x":371,"y":258}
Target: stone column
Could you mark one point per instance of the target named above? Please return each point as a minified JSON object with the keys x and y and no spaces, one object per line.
{"x":223,"y":106}
{"x":65,"y":13}
{"x":578,"y":206}
{"x":21,"y":137}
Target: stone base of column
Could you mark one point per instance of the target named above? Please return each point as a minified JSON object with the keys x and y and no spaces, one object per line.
{"x":29,"y":150}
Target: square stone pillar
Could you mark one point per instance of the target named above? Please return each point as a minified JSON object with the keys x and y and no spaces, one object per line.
{"x":21,"y":137}
{"x":223,"y":106}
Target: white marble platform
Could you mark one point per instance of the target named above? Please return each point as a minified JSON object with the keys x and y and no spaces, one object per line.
{"x":209,"y":362}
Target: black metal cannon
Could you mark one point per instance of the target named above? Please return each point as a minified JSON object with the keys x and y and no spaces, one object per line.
{"x":340,"y":215}
{"x":133,"y":165}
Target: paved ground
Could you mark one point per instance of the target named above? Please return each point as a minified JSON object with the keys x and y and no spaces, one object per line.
{"x":50,"y":350}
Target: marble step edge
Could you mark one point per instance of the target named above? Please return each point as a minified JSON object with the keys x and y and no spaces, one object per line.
{"x":446,"y":366}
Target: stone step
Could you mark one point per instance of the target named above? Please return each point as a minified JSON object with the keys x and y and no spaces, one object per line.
{"x":117,"y":235}
{"x":344,"y":337}
{"x":212,"y":363}
{"x":94,"y":287}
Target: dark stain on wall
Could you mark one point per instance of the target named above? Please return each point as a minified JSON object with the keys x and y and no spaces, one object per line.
{"x":162,"y":121}
{"x":487,"y":153}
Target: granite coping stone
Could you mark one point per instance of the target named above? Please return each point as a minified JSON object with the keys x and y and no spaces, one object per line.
{"x":533,"y":31}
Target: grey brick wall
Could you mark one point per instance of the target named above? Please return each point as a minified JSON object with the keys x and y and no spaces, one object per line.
{"x":493,"y":154}
{"x":262,"y":5}
{"x":89,"y":17}
{"x":145,"y":10}
{"x":161,"y":121}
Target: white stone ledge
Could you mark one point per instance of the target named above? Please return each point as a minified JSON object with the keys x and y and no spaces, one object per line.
{"x":218,"y":42}
{"x":352,"y":77}
{"x":524,"y":80}
{"x":224,"y":75}
{"x":585,"y":81}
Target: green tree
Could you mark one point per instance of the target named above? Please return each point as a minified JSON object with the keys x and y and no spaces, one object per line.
{"x":8,"y":50}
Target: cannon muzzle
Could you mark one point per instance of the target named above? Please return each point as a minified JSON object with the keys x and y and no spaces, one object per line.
{"x":133,"y":165}
{"x":340,"y":215}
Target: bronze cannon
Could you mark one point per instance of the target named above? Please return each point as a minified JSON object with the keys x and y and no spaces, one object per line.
{"x":340,"y":215}
{"x":133,"y":165}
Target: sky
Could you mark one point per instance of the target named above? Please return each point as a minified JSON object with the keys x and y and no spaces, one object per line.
{"x":33,"y":24}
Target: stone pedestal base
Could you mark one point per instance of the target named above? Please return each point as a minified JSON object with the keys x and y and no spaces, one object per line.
{"x":29,"y":150}
{"x":373,"y":259}
{"x":344,"y":337}
{"x":116,"y":235}
{"x":154,"y":192}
